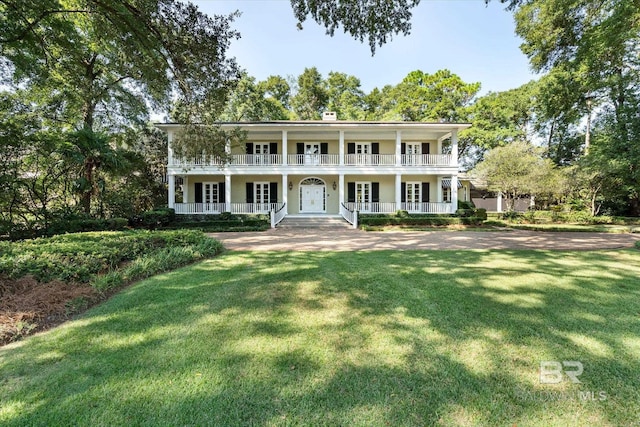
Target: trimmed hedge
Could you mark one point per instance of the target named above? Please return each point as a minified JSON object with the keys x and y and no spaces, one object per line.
{"x":423,"y":220}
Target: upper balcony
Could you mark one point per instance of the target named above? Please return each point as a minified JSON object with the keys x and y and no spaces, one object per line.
{"x":260,"y":160}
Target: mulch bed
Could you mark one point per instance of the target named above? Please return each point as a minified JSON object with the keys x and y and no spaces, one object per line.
{"x":28,"y":306}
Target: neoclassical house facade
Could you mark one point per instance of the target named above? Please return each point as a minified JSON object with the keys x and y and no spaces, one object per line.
{"x":324,"y":167}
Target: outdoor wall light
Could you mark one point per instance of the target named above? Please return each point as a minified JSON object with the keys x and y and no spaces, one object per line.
{"x":334,"y":185}
{"x":290,"y":185}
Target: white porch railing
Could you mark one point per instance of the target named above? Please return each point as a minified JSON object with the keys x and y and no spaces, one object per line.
{"x":319,"y":159}
{"x":425,"y":159}
{"x":199,"y":208}
{"x":277,"y":216}
{"x":434,"y":208}
{"x":350,"y":215}
{"x":253,"y":208}
{"x":256,"y":159}
{"x":216,"y":208}
{"x":370,"y":159}
{"x":372,"y":207}
{"x":313,"y":159}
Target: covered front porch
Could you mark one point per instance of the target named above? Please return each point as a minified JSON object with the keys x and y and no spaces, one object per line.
{"x":319,"y":194}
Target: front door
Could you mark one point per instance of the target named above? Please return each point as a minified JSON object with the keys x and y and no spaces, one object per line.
{"x":312,"y":196}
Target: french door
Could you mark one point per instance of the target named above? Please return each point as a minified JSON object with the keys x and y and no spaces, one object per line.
{"x":363,"y":196}
{"x":413,"y":196}
{"x":261,"y":154}
{"x":312,"y":153}
{"x":210,"y":197}
{"x":363,"y":153}
{"x":261,"y":196}
{"x":413,"y":155}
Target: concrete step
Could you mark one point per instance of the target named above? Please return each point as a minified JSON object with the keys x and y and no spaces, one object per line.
{"x":299,"y":223}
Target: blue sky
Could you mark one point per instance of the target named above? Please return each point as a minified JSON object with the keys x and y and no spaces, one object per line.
{"x":471,"y":39}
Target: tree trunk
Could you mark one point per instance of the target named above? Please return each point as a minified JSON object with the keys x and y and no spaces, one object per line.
{"x":88,"y":113}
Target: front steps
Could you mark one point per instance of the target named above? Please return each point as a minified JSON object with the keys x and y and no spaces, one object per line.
{"x":306,"y":222}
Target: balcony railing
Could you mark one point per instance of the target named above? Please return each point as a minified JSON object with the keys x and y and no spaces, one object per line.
{"x":371,"y":207}
{"x":370,"y":159}
{"x":425,"y":159}
{"x":314,"y":159}
{"x":345,"y":208}
{"x":319,"y":160}
{"x":216,"y":208}
{"x":430,"y":207}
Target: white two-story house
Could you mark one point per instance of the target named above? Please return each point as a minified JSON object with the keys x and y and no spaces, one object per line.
{"x":324,"y":167}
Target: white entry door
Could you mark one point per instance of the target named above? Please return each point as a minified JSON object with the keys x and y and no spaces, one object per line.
{"x":312,"y":198}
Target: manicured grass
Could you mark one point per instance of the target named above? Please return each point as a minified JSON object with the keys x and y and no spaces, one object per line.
{"x":345,"y":338}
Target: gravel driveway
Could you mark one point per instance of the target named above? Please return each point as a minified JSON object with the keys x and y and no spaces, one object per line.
{"x":327,"y":239}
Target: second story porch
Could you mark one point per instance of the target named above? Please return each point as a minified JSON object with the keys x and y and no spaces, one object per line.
{"x":322,"y":143}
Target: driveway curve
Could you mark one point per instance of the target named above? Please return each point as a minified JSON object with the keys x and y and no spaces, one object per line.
{"x":325,"y":239}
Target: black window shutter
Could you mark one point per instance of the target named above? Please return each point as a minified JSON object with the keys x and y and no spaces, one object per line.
{"x":425,"y":148}
{"x":351,"y":192}
{"x":324,"y":148}
{"x":249,"y":186}
{"x":300,"y":148}
{"x":198,"y":192}
{"x":403,"y":148}
{"x":249,"y":147}
{"x":403,"y":192}
{"x":375,"y":148}
{"x":351,"y":148}
{"x":425,"y":192}
{"x":221,"y":193}
{"x":273,"y":192}
{"x":273,"y":148}
{"x":375,"y":192}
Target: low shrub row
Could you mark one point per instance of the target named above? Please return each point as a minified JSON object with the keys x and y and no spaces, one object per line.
{"x":82,"y":257}
{"x":564,"y":217}
{"x":366,"y":220}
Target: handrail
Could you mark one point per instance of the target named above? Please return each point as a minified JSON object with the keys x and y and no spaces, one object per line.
{"x":278,"y":215}
{"x":350,"y":216}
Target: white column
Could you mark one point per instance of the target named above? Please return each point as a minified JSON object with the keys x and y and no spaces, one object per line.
{"x":454,"y":193}
{"x":398,"y":192}
{"x":439,"y":149}
{"x":439,"y":189}
{"x":227,"y":192}
{"x":170,"y":153}
{"x":172,"y":191}
{"x":284,"y":149}
{"x":285,"y":191}
{"x":499,"y":202}
{"x":398,"y":148}
{"x":341,"y":150}
{"x":341,"y":188}
{"x":185,"y":189}
{"x":454,"y":148}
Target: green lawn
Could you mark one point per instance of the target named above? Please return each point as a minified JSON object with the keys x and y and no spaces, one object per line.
{"x":345,"y":338}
